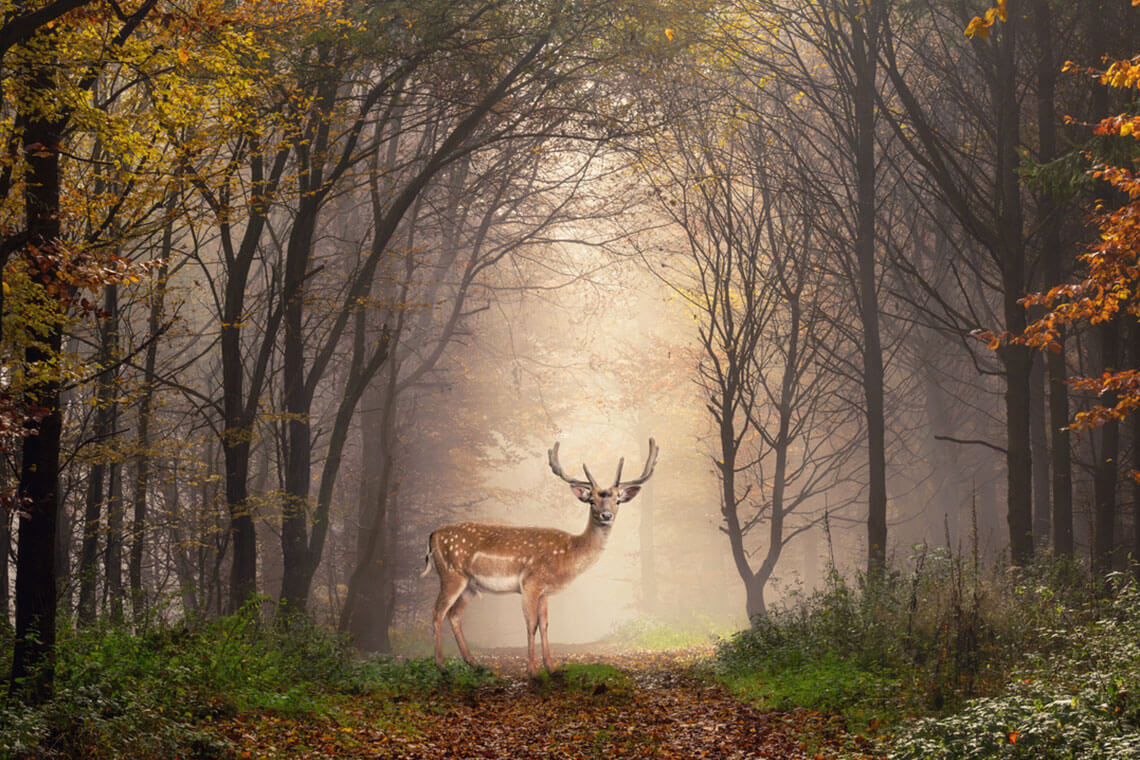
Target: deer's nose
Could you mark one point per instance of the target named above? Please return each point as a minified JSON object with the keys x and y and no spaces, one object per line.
{"x":606,"y":516}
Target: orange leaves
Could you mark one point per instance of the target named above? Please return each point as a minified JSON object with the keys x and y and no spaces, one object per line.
{"x":979,"y":26}
{"x":1111,"y":283}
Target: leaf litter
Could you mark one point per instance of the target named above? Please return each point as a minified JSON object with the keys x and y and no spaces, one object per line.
{"x":633,"y":704}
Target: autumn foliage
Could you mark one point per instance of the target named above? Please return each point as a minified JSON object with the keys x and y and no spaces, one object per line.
{"x":1110,"y":286}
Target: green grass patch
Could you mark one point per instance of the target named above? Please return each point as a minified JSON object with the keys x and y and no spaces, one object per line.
{"x":828,"y":685}
{"x":387,"y":676}
{"x":590,"y":679}
{"x":650,"y":632}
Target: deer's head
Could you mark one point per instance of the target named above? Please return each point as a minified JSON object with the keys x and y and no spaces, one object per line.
{"x":604,"y":500}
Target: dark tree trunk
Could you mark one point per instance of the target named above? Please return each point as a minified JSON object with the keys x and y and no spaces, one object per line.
{"x":298,"y":402}
{"x":1053,"y":257}
{"x":113,"y":559}
{"x":864,"y":58}
{"x":114,"y":549}
{"x":1017,"y":360}
{"x":362,"y":615}
{"x":33,"y":656}
{"x":1038,"y":435}
{"x":236,"y":438}
{"x":92,"y":518}
{"x":1107,"y":457}
{"x":142,"y":439}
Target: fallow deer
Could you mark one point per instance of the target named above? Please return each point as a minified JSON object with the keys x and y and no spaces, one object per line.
{"x":535,"y":562}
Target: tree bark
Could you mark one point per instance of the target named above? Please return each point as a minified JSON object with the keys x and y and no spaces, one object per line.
{"x":1017,"y":360}
{"x":1053,"y":258}
{"x":864,"y":33}
{"x":1107,"y":456}
{"x":33,"y":656}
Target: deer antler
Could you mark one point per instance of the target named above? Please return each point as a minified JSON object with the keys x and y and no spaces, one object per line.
{"x":556,"y":468}
{"x":650,"y":463}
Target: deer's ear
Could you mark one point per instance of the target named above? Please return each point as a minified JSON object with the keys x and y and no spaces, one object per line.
{"x":629,"y":493}
{"x":582,"y":493}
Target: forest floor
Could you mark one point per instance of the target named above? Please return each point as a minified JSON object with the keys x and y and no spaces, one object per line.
{"x":633,"y":704}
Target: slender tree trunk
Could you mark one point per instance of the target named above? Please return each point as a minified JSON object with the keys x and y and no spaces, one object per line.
{"x":864,"y":58}
{"x":92,"y":517}
{"x":1039,"y":445}
{"x":236,"y":437}
{"x":1107,"y":456}
{"x":113,"y":569}
{"x":142,"y":439}
{"x":1017,"y":360}
{"x":1053,"y":257}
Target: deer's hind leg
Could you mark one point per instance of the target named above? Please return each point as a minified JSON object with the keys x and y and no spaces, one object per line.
{"x":455,"y":617}
{"x":451,"y":588}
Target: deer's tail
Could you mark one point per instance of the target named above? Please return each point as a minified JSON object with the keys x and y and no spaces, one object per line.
{"x":427,"y":558}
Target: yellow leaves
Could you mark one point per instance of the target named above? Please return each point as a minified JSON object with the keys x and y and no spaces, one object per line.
{"x":1122,"y":74}
{"x":979,"y":26}
{"x":183,"y":56}
{"x":669,"y":34}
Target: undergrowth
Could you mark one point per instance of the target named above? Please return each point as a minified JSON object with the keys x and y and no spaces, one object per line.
{"x":154,"y":694}
{"x":949,"y":661}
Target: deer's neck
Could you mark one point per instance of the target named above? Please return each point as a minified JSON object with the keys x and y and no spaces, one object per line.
{"x":590,"y":543}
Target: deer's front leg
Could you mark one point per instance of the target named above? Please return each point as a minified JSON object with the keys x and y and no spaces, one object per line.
{"x":530,"y":603}
{"x":542,"y":623}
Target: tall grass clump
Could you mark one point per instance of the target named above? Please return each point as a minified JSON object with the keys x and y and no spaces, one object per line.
{"x":916,"y":641}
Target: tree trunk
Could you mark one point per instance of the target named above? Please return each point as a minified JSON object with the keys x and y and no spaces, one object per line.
{"x":361,"y":616}
{"x":142,"y":439}
{"x":113,"y":568}
{"x":1107,"y":456}
{"x":1053,"y":262}
{"x":864,"y":59}
{"x":33,"y":656}
{"x":114,"y":548}
{"x":1017,"y":360}
{"x":236,"y":438}
{"x":1039,"y":443}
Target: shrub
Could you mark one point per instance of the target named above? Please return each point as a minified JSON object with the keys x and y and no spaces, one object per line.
{"x":913,"y":642}
{"x":1081,"y":700}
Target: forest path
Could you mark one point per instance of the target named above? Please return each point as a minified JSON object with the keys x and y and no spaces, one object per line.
{"x":642,"y":704}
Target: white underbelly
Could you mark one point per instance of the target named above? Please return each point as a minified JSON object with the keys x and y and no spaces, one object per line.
{"x":497,"y":584}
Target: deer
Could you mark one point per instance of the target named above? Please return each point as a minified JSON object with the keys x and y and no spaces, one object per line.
{"x":535,"y":562}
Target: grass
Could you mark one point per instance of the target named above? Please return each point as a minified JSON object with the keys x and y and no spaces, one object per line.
{"x":655,"y":633}
{"x":590,"y":679}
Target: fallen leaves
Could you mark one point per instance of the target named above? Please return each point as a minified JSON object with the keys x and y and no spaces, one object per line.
{"x":656,"y":709}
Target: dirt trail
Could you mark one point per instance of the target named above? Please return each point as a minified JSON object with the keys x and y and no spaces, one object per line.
{"x":657,"y":710}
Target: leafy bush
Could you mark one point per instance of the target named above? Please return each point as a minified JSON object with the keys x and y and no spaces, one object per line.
{"x":1080,"y":700}
{"x":906,"y":643}
{"x":120,"y":694}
